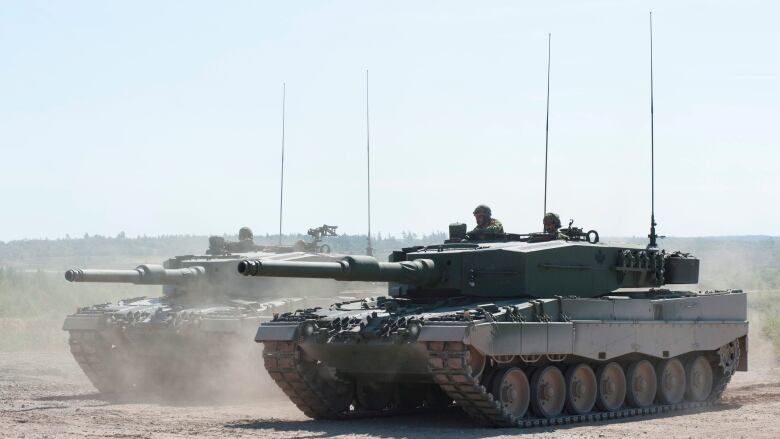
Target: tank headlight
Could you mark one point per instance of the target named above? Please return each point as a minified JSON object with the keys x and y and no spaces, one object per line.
{"x":414,"y":329}
{"x":307,"y":329}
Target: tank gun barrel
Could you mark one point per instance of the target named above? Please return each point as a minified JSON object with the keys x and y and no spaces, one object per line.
{"x":350,"y":268}
{"x":143,"y":275}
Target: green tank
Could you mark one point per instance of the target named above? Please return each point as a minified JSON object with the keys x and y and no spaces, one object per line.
{"x":178,"y":343}
{"x":516,"y":330}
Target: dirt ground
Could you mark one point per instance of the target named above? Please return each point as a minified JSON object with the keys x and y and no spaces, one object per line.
{"x":46,"y":395}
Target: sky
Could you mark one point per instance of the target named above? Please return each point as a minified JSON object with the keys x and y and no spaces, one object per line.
{"x":165,"y":117}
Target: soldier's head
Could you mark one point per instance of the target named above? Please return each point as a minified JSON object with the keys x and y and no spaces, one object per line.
{"x":245,"y":234}
{"x":482,"y":214}
{"x":552,"y":222}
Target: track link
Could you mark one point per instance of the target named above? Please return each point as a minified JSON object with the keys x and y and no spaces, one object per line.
{"x":449,"y":364}
{"x":86,"y":348}
{"x":283,"y":362}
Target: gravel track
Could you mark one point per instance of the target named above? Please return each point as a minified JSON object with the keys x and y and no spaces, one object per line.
{"x":47,"y":395}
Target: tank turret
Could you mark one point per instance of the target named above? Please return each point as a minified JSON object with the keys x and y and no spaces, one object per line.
{"x":513,"y":266}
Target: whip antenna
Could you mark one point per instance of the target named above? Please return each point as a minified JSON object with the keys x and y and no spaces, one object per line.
{"x":653,"y":236}
{"x":369,"y":249}
{"x":547,"y":125}
{"x":281,"y":184}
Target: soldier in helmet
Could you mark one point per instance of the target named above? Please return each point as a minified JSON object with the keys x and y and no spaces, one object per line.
{"x":245,"y":233}
{"x":246,"y":241}
{"x":552,"y":222}
{"x":485,"y":222}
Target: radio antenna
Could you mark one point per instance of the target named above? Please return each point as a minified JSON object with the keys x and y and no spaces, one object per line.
{"x":653,"y":236}
{"x":281,"y":184}
{"x":369,"y":249}
{"x":547,"y":125}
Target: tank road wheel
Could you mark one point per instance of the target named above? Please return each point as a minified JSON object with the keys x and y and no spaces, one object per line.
{"x":699,"y":379}
{"x":512,"y":391}
{"x":612,"y":387}
{"x":671,"y":381}
{"x":642,"y":384}
{"x":373,"y":396}
{"x":548,"y":391}
{"x":582,"y":389}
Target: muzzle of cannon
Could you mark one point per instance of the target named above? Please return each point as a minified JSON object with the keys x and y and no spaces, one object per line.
{"x":350,"y":268}
{"x":142,"y":275}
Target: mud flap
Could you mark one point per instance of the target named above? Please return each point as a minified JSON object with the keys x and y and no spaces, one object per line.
{"x":438,"y":332}
{"x":272,"y":332}
{"x":743,"y":354}
{"x":83,"y":323}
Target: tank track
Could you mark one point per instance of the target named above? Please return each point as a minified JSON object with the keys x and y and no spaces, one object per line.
{"x":85,"y":346}
{"x":282,"y":361}
{"x":130,"y":370}
{"x":451,"y":370}
{"x":449,"y":364}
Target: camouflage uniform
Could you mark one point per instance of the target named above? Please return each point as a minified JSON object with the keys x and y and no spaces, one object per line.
{"x":494,"y":226}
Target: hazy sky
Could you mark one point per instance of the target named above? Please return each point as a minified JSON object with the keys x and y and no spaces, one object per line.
{"x":165,"y":117}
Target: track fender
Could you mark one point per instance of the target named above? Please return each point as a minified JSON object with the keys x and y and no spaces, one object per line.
{"x":520,"y":338}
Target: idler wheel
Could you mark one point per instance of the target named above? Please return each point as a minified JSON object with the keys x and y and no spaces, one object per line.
{"x":671,"y":381}
{"x":373,"y":396}
{"x":477,"y":361}
{"x":548,"y":391}
{"x":642,"y":384}
{"x":611,"y":387}
{"x":512,"y":390}
{"x":581,"y":385}
{"x":699,"y":379}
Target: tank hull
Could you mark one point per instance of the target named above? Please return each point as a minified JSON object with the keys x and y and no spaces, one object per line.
{"x":156,"y":348}
{"x":515,"y":362}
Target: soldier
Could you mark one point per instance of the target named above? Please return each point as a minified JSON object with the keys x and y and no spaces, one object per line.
{"x":552,"y":222}
{"x":485,"y":222}
{"x":246,"y":242}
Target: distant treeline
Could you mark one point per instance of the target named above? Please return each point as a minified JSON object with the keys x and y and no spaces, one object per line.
{"x":34,"y":296}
